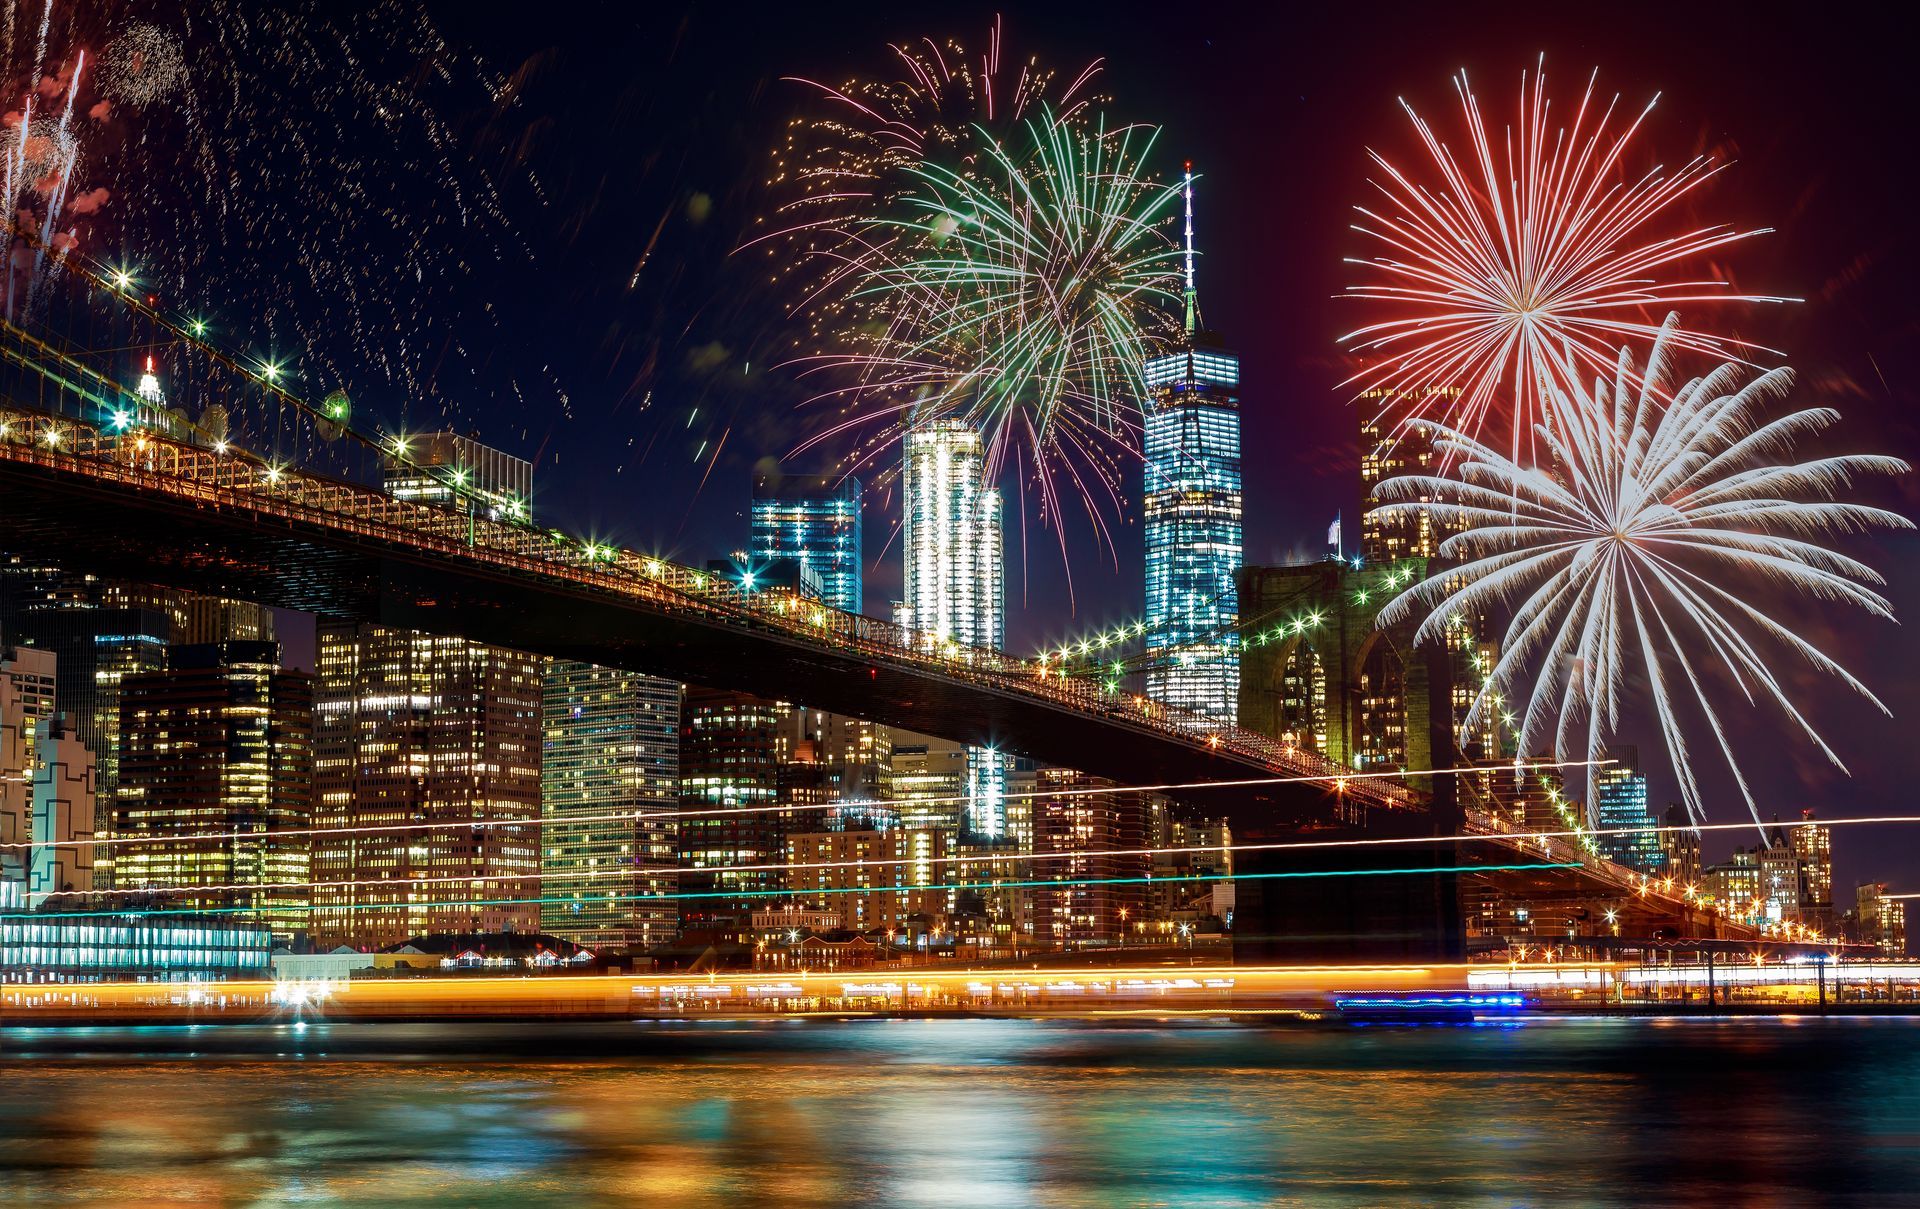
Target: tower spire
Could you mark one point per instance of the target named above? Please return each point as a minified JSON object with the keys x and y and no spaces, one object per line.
{"x":1192,"y":303}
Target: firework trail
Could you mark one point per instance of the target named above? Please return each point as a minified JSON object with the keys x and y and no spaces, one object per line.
{"x":1025,"y":297}
{"x":1543,"y":239}
{"x":1632,"y":550}
{"x":291,"y":173}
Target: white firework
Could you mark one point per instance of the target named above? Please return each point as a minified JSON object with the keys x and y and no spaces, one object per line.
{"x":1635,"y":551}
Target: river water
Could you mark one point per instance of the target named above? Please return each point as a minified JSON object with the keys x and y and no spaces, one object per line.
{"x":965,"y":1112}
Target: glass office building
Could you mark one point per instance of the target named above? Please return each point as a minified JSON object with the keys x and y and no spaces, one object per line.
{"x":1620,"y":798}
{"x":1193,"y":517}
{"x":814,"y":521}
{"x":1193,"y":529}
{"x":89,"y":944}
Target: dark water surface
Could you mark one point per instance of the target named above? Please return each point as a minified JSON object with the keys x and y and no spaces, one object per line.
{"x":975,"y":1113}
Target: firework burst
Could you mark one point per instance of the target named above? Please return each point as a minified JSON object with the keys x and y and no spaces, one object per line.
{"x":1632,"y":551}
{"x":1024,"y":297}
{"x":1543,"y":239}
{"x":265,"y":165}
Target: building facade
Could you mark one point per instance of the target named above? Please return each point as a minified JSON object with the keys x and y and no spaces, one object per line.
{"x":609,"y":789}
{"x":815,"y":521}
{"x":221,"y":742}
{"x":99,"y":634}
{"x":1090,"y":875}
{"x":892,"y":880}
{"x":955,"y":589}
{"x":733,"y":827}
{"x":836,"y":772}
{"x":427,"y":765}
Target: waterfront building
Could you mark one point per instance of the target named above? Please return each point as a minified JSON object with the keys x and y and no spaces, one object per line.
{"x":1192,"y":867}
{"x":1620,"y":802}
{"x":814,"y":521}
{"x":1192,"y":517}
{"x":64,"y":796}
{"x":438,"y":736}
{"x":99,"y":633}
{"x":220,"y":742}
{"x":609,"y":788}
{"x":58,"y":948}
{"x":733,"y":830}
{"x":955,"y":590}
{"x":1780,"y":878}
{"x":1735,"y":886}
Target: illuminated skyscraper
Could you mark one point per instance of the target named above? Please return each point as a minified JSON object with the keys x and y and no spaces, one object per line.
{"x":1620,"y":798}
{"x":816,"y":522}
{"x":1681,"y":842}
{"x":100,"y":632}
{"x":955,"y":584}
{"x":609,"y":786}
{"x":221,"y":743}
{"x":424,"y":729}
{"x":1193,"y":519}
{"x":950,"y":533}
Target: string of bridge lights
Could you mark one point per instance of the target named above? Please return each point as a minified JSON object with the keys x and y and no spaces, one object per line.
{"x":270,"y":375}
{"x":1092,"y":646}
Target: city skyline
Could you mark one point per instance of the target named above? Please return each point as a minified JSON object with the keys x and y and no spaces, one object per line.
{"x":852,"y":605}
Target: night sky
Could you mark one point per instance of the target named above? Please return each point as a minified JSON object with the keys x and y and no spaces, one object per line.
{"x":632,"y":156}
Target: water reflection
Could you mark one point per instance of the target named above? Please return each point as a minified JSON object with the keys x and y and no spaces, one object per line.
{"x":975,"y":1112}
